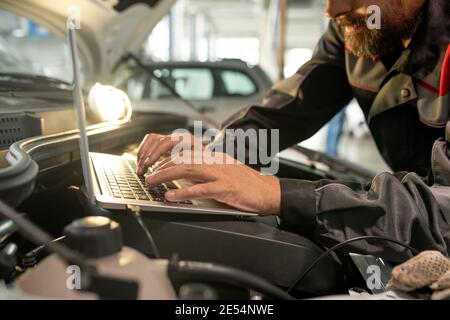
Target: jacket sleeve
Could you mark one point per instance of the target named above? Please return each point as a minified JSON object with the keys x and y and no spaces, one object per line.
{"x":401,"y":206}
{"x":300,"y":105}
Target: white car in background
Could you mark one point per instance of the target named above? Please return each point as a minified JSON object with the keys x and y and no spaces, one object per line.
{"x":217,"y":89}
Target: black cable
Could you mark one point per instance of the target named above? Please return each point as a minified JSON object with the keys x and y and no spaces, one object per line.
{"x":210,"y":272}
{"x":36,"y":251}
{"x":296,"y":282}
{"x":30,"y":258}
{"x":136,"y":213}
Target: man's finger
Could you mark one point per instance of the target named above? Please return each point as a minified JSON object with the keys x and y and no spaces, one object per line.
{"x":142,"y":146}
{"x":199,"y":191}
{"x":146,"y":150}
{"x":146,"y":147}
{"x":149,"y":149}
{"x":162,"y":163}
{"x":184,"y":157}
{"x":153,"y":153}
{"x":167,"y":163}
{"x":165,"y":146}
{"x":184,"y":171}
{"x":146,"y":142}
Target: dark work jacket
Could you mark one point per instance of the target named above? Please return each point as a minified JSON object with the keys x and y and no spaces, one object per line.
{"x":406,"y":104}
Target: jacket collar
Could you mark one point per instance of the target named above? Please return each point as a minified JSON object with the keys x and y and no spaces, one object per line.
{"x":430,"y":38}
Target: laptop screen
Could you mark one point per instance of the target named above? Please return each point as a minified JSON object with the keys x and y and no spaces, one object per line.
{"x":81,"y":114}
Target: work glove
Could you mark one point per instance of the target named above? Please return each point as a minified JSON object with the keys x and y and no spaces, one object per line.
{"x":441,"y":287}
{"x":427,"y":269}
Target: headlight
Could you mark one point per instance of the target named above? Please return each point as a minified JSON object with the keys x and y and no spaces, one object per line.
{"x":112,"y":104}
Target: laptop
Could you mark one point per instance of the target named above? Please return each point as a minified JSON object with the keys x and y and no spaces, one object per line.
{"x":111,"y":181}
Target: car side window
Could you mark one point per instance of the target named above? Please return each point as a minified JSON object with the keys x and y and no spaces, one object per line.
{"x":190,"y":83}
{"x":136,"y":86}
{"x":237,"y":83}
{"x":133,"y":83}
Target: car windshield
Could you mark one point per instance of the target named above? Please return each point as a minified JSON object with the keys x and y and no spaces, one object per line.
{"x":28,"y":48}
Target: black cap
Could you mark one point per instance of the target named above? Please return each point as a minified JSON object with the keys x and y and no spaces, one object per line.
{"x":94,"y":236}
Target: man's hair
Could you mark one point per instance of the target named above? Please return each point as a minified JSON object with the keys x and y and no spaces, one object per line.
{"x":434,"y":33}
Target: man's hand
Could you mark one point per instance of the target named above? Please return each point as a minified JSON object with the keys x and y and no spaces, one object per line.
{"x":154,"y":146}
{"x":230,"y":182}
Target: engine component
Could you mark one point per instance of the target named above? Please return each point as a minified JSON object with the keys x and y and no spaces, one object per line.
{"x":94,"y":237}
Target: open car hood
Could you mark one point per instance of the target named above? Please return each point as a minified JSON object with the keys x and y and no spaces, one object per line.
{"x":108,"y":28}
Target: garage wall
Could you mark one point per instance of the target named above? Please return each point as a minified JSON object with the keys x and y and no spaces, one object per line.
{"x":245,"y":29}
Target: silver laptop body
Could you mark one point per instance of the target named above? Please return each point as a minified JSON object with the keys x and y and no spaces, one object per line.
{"x":111,"y":181}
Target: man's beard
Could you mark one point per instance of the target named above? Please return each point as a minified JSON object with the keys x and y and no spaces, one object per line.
{"x":367,"y":43}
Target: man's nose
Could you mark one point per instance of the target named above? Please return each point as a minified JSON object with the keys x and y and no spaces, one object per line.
{"x":336,"y":8}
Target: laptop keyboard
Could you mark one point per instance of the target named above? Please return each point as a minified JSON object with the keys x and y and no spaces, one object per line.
{"x":125,"y":184}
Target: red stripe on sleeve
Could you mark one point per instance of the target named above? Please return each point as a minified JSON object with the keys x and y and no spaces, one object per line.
{"x":445,"y":74}
{"x":428,"y":86}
